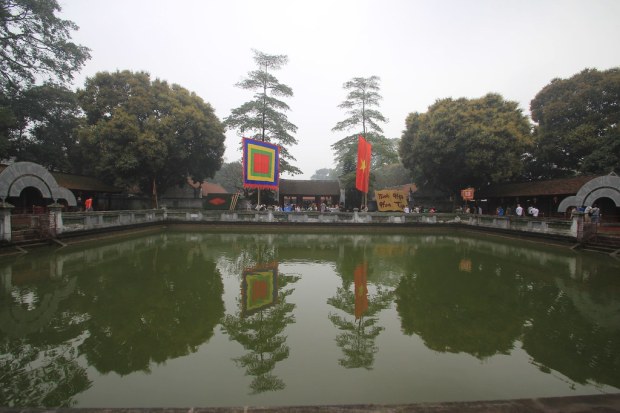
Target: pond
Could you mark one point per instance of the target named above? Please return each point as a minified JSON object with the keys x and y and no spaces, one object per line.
{"x":177,"y":319}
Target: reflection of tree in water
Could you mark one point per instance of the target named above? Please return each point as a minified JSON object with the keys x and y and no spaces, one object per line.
{"x":248,"y":249}
{"x":359,"y":332}
{"x":39,"y":374}
{"x":261,"y":334}
{"x":478,"y":312}
{"x":565,"y":325}
{"x":38,"y":360}
{"x":561,"y":337}
{"x":162,"y":303}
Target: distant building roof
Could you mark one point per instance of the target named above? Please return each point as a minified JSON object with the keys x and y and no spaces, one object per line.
{"x":212,"y":188}
{"x":83,"y":183}
{"x":326,"y":187}
{"x":565,"y":186}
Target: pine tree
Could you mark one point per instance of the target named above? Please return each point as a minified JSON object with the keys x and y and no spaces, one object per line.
{"x":264,"y":117}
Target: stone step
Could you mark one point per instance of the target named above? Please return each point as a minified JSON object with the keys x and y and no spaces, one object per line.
{"x":25,"y":235}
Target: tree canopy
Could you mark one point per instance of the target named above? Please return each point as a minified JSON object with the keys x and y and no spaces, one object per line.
{"x":460,"y":143}
{"x":362,"y":97}
{"x":392,"y":175}
{"x":230,"y":176}
{"x":43,"y":127}
{"x":577,"y":125}
{"x":36,"y":44}
{"x":324,"y":173}
{"x":147,"y":134}
{"x":264,"y":117}
{"x":36,"y":121}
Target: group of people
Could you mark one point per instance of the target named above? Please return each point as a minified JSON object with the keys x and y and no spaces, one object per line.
{"x":591,"y":213}
{"x":519,"y":211}
{"x":288,"y":207}
{"x":419,"y":209}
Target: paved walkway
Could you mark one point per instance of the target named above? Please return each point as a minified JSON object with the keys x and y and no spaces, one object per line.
{"x":575,"y":404}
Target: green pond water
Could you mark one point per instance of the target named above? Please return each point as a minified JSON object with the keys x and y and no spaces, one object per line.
{"x":181,"y":319}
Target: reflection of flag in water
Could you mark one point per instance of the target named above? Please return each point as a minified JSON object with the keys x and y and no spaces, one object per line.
{"x":261,"y":164}
{"x":465,"y":265}
{"x":361,"y":289}
{"x":259,"y":288}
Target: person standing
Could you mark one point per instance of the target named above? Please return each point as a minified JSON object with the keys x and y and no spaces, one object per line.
{"x":519,"y":210}
{"x":89,"y":203}
{"x":596,"y":213}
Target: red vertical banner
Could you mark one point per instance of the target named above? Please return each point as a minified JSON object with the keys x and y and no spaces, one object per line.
{"x":361,"y":289}
{"x":362,"y":174}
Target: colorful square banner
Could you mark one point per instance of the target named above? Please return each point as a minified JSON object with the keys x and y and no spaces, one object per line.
{"x":261,"y":164}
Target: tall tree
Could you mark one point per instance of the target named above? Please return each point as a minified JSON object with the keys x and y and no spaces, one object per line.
{"x":148,"y":134}
{"x":264,"y":117}
{"x":577,"y":125}
{"x":363,"y":118}
{"x":44,"y":131}
{"x":461,"y":143}
{"x":363,"y":95}
{"x":35,"y":43}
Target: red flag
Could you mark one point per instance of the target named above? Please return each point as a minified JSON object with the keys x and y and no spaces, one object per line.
{"x":362,"y":174}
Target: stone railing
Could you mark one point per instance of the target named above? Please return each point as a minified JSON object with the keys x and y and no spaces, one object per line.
{"x":75,"y":222}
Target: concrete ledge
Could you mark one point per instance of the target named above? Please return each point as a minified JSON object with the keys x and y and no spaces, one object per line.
{"x":573,"y":404}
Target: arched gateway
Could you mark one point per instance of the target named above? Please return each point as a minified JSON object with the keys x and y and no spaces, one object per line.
{"x":21,"y":175}
{"x":607,"y":186}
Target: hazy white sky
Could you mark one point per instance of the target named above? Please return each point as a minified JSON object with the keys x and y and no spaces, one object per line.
{"x":421,"y":50}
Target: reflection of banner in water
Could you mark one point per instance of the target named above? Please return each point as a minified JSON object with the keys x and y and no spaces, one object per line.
{"x":465,"y":265}
{"x":389,"y":250}
{"x":390,"y":200}
{"x":259,"y":288}
{"x":361,"y":289}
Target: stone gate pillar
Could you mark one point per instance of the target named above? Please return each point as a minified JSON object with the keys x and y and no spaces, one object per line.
{"x":576,"y":228}
{"x":5,"y":221}
{"x":55,"y":211}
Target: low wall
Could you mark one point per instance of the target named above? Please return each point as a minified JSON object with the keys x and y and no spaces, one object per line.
{"x":74,"y":222}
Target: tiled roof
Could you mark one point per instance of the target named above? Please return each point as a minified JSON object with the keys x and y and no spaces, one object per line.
{"x":83,"y":183}
{"x":565,"y":186}
{"x":309,"y":187}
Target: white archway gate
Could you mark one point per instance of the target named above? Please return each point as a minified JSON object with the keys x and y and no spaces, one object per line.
{"x":607,"y":186}
{"x":19,"y":176}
